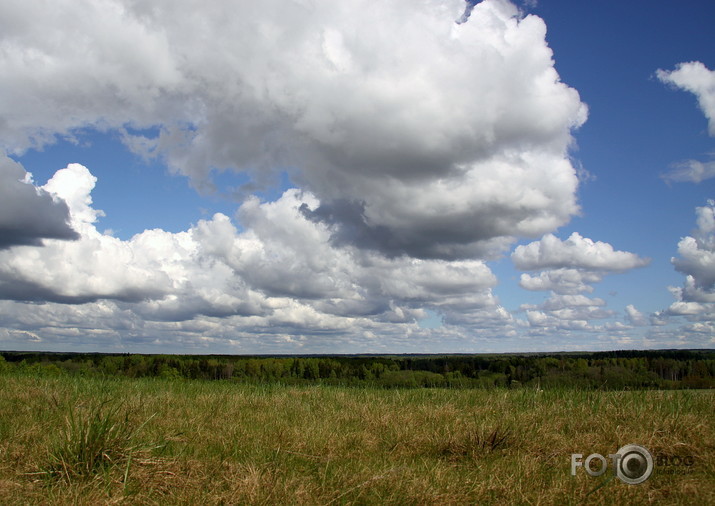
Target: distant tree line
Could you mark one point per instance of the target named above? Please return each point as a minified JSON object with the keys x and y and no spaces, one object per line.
{"x":663,"y":369}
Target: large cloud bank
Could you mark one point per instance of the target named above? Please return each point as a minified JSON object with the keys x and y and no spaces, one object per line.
{"x":418,"y":135}
{"x":420,"y":148}
{"x":281,"y":276}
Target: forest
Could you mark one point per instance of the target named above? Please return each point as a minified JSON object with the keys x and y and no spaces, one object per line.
{"x":660,"y":369}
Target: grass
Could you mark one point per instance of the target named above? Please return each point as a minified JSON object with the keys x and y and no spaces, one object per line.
{"x":95,"y":438}
{"x":84,"y":441}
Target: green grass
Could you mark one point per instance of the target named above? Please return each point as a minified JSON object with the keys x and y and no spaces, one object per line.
{"x":85,"y":441}
{"x":96,"y":436}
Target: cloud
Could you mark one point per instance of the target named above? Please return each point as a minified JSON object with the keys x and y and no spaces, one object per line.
{"x":284,"y":253}
{"x":29,"y":214}
{"x":563,"y":281}
{"x":566,"y":312}
{"x":693,"y":171}
{"x":421,"y":147}
{"x":539,"y":319}
{"x":695,"y":300}
{"x":279,"y":274}
{"x":91,"y":267}
{"x":576,"y":252}
{"x":697,"y":251}
{"x":417,"y":135}
{"x":697,"y":79}
{"x":568,"y":268}
{"x":635,"y":317}
{"x":558,"y":302}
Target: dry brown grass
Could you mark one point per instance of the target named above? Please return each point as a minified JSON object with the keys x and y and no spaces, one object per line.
{"x":227,"y":443}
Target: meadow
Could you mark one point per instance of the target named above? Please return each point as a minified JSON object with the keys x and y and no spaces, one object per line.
{"x":88,"y":440}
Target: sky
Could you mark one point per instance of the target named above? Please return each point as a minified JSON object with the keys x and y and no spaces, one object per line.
{"x":311,"y":176}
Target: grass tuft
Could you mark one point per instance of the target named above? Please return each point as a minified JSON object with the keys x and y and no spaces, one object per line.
{"x":96,"y":438}
{"x":474,"y":443}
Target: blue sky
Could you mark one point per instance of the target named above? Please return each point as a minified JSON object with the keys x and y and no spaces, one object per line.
{"x":349,"y":179}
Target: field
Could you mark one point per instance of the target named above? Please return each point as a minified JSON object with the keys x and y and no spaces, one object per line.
{"x":74,"y":440}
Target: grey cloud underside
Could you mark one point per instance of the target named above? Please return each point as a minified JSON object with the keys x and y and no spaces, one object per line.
{"x":29,"y":214}
{"x":189,"y":307}
{"x":469,"y":234}
{"x":31,"y":232}
{"x":23,"y":290}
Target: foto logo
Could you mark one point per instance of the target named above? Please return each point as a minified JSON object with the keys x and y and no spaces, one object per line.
{"x":632,"y":464}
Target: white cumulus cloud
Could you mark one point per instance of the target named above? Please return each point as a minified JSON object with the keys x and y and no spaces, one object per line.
{"x":278,"y":274}
{"x":635,"y":317}
{"x":569,"y":268}
{"x":576,"y":252}
{"x":695,"y":300}
{"x":563,"y":280}
{"x":697,"y":251}
{"x":697,"y":79}
{"x":435,"y":139}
